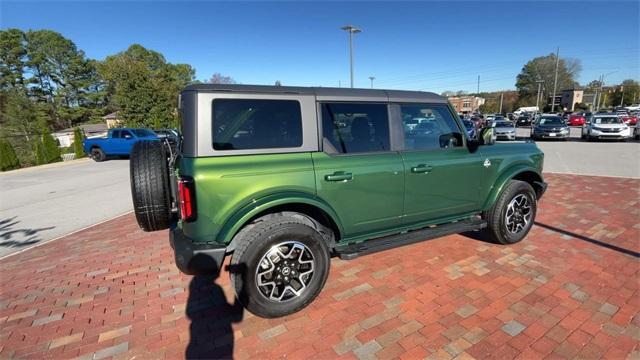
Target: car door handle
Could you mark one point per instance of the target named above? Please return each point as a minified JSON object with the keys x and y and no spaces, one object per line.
{"x":421,"y":169}
{"x":339,"y":176}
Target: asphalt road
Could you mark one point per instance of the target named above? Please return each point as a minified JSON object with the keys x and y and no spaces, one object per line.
{"x":577,"y":156}
{"x":40,"y":204}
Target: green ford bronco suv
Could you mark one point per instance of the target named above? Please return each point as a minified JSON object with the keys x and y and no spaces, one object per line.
{"x":282,"y":178}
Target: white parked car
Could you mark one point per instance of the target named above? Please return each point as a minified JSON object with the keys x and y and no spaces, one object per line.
{"x":504,"y":130}
{"x":605,"y":126}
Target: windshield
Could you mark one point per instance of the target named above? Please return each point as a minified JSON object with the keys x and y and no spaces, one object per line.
{"x":468,"y":124}
{"x":551,"y":121}
{"x":503,"y":124}
{"x":142,"y":132}
{"x":607,"y":120}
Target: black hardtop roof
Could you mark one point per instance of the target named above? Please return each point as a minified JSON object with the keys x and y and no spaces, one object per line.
{"x":392,"y":95}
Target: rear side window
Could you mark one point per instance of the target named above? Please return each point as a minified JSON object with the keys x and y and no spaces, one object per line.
{"x":256,"y":124}
{"x":355,"y":128}
{"x":429,"y":127}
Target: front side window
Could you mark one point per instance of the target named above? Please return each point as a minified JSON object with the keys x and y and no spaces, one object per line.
{"x":126,"y":134}
{"x":429,"y":127}
{"x":256,"y":124}
{"x":355,"y":128}
{"x":142,"y":132}
{"x":115,"y":134}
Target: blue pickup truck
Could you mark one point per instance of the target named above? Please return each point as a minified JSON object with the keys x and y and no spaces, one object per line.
{"x":117,"y":143}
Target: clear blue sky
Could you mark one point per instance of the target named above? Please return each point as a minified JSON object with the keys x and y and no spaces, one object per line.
{"x":433,"y":46}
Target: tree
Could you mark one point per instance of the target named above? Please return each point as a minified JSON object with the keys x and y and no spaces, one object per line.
{"x":627,"y":92}
{"x":8,"y":158}
{"x":218,"y":78}
{"x":51,"y":150}
{"x":77,"y":143}
{"x":144,"y":87}
{"x":543,"y":68}
{"x":278,"y":83}
{"x":62,"y":76}
{"x":12,"y":59}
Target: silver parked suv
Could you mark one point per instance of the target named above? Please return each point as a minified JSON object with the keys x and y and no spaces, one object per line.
{"x":605,"y":126}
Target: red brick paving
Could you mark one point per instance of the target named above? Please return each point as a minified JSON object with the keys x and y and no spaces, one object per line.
{"x":568,"y":290}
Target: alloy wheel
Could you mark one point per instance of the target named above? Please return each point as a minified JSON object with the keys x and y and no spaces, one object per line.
{"x":285,"y":271}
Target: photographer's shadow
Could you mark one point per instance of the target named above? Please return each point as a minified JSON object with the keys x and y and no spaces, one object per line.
{"x":211,"y":333}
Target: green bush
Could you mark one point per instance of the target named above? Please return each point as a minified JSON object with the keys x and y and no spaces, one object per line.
{"x":51,"y":148}
{"x":77,"y":143}
{"x":8,"y":158}
{"x":38,"y":150}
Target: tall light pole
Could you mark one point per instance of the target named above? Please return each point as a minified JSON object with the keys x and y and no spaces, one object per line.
{"x":372,"y":78}
{"x":555,"y":80}
{"x":352,"y":30}
{"x":501,"y":96}
{"x":539,"y":81}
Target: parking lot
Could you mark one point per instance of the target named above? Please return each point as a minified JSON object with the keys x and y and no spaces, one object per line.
{"x":569,"y":290}
{"x":43,"y":203}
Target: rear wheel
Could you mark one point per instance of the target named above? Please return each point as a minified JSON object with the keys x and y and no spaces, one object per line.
{"x":511,"y":217}
{"x":279,"y":266}
{"x":150,"y":188}
{"x":97,"y":154}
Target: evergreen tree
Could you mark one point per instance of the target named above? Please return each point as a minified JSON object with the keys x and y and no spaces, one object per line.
{"x":8,"y":158}
{"x":77,"y":143}
{"x":38,"y":150}
{"x":51,"y":148}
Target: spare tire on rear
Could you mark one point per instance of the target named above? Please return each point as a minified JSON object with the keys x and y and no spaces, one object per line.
{"x":150,"y":187}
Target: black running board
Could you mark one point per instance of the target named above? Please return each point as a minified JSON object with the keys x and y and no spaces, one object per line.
{"x":352,"y":251}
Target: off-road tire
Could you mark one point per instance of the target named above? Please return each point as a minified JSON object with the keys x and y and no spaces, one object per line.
{"x":254,"y":241}
{"x":495,"y":216}
{"x":97,"y":154}
{"x":150,"y":187}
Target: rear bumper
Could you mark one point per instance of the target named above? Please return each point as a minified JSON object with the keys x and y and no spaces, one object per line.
{"x":195,"y":259}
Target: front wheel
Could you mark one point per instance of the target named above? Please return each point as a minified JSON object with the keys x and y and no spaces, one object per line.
{"x":511,"y":217}
{"x":279,"y":266}
{"x":97,"y":154}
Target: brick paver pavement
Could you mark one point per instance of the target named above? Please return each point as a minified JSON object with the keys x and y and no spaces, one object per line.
{"x":569,"y":290}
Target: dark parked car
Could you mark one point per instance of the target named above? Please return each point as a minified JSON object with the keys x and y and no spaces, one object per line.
{"x":523,"y":120}
{"x":550,"y":126}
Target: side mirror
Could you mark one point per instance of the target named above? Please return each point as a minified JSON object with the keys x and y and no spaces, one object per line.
{"x":487,"y":136}
{"x":450,"y":140}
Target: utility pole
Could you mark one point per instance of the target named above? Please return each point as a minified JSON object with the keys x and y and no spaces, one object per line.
{"x":339,"y":83}
{"x":538,"y":97}
{"x":501,"y":96}
{"x":600,"y":93}
{"x":622,"y":98}
{"x":478,"y":85}
{"x":352,"y":30}
{"x":372,"y":78}
{"x":555,"y":80}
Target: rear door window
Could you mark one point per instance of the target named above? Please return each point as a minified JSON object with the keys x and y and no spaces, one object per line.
{"x":355,"y":128}
{"x":256,"y":124}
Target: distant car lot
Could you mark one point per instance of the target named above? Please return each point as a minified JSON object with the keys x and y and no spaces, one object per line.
{"x":577,"y":156}
{"x":40,"y":204}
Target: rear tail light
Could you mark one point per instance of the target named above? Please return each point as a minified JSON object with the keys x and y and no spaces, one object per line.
{"x":187,"y":195}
